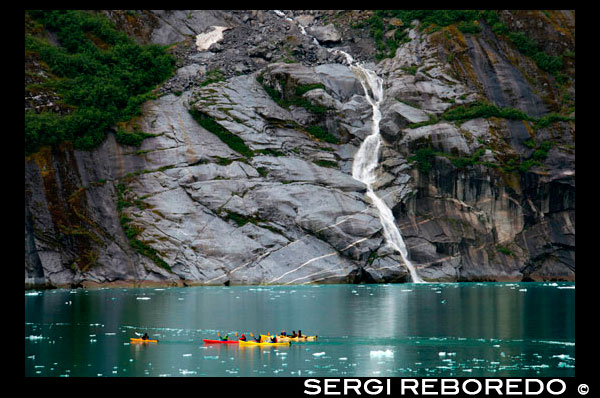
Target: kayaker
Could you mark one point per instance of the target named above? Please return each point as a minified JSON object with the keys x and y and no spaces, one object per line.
{"x":300,"y":333}
{"x":145,"y":336}
{"x":257,"y":339}
{"x":223,"y":338}
{"x":243,"y":337}
{"x":294,"y":334}
{"x":274,"y":339}
{"x":283,"y":333}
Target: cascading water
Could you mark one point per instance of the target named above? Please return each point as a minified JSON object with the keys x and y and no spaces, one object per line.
{"x":366,"y":160}
{"x":367,"y":157}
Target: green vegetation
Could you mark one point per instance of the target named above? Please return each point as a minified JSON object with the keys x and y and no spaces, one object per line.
{"x":212,"y":76}
{"x":326,"y":163}
{"x":411,"y":69}
{"x":270,"y":152}
{"x":240,"y":219}
{"x":524,"y":44}
{"x":322,"y":134}
{"x":132,"y":232}
{"x":482,"y":109}
{"x":504,"y":250}
{"x":469,"y":27}
{"x":424,"y":156}
{"x":432,"y":120}
{"x":386,"y":47}
{"x":463,"y":162}
{"x":132,"y":138}
{"x":232,"y":140}
{"x":101,"y":74}
{"x":263,"y":171}
{"x":546,"y":120}
{"x":285,"y":100}
{"x":304,"y":88}
{"x":485,"y":110}
{"x":465,"y":20}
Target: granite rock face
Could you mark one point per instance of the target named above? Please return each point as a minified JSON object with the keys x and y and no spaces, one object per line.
{"x":188,"y":207}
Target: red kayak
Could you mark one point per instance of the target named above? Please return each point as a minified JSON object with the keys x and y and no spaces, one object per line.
{"x":206,"y":341}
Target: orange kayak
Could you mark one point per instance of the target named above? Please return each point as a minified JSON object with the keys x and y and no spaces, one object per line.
{"x":134,"y":340}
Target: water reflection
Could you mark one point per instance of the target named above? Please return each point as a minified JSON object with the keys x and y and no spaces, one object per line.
{"x":461,"y":329}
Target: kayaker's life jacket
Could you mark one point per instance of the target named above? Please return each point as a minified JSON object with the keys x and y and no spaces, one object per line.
{"x":243,"y":338}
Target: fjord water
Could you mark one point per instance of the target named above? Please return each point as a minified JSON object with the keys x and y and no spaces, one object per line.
{"x":383,"y":330}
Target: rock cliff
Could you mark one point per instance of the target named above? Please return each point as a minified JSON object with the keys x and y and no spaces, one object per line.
{"x":246,"y":177}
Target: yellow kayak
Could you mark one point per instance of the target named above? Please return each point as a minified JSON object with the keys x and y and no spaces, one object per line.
{"x":264,"y":337}
{"x":303,"y":338}
{"x":253,"y":343}
{"x":134,"y":340}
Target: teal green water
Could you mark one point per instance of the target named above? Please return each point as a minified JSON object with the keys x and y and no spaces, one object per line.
{"x":385,"y":330}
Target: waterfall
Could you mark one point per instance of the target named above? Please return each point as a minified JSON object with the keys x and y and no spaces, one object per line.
{"x":367,"y":157}
{"x":365,"y":165}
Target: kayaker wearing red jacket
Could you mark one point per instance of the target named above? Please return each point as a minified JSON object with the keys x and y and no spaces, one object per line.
{"x":243,"y":337}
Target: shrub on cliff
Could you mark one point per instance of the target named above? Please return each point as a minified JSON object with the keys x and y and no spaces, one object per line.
{"x":104,"y":75}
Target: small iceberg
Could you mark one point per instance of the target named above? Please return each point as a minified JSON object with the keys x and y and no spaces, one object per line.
{"x":318,"y":354}
{"x":382,"y":354}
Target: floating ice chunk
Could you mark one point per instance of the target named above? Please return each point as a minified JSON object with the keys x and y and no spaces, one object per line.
{"x":343,"y":359}
{"x":32,"y":294}
{"x":563,"y":356}
{"x":566,"y":287}
{"x":32,"y":337}
{"x":187,"y":355}
{"x":143,"y":298}
{"x":318,"y":354}
{"x":384,"y":354}
{"x":522,"y":290}
{"x":442,"y":354}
